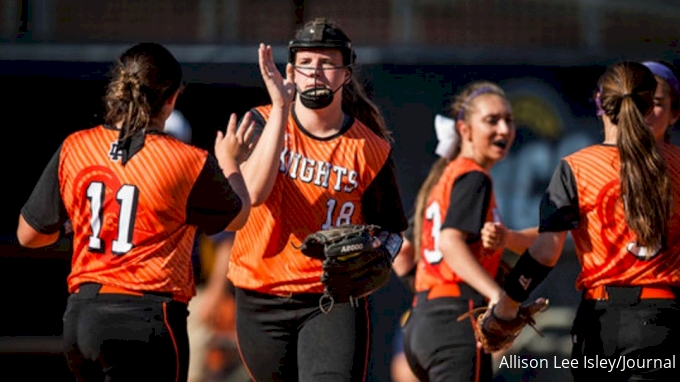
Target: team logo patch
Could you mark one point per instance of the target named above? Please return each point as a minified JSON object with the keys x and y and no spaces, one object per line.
{"x":116,"y":152}
{"x":524,"y":282}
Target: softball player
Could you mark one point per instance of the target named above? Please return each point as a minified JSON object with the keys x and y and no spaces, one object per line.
{"x":666,"y":100}
{"x":455,"y":274}
{"x":620,"y":200}
{"x":323,"y":159}
{"x":135,"y":197}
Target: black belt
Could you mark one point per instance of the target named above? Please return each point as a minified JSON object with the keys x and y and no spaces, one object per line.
{"x":91,"y":290}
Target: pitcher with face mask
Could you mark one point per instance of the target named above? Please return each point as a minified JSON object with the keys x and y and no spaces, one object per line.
{"x":323,"y":159}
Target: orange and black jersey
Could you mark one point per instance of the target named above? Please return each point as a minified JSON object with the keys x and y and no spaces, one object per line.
{"x":462,"y":199}
{"x":584,"y":197}
{"x":320,"y":183}
{"x":134,"y":224}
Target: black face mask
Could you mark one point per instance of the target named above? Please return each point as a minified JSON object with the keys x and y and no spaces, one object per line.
{"x":318,"y":97}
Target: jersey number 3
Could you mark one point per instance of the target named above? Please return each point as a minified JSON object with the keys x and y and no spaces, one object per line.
{"x":127,"y":197}
{"x":433,"y":214}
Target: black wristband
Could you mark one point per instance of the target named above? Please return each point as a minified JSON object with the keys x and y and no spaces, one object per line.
{"x":526,"y":275}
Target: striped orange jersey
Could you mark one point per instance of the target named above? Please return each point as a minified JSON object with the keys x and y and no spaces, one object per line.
{"x":134,"y":224}
{"x":463,"y":199}
{"x":320,"y":183}
{"x":584,"y":197}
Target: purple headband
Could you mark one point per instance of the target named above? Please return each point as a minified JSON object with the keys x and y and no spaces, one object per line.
{"x":483,"y":89}
{"x":657,"y":69}
{"x":664,"y":72}
{"x":598,"y":102}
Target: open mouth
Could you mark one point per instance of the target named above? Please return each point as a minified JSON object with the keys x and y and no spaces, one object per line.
{"x":311,"y":86}
{"x":318,"y":91}
{"x":501,"y":143}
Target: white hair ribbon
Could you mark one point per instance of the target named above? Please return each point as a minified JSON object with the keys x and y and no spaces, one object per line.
{"x":447,"y":138}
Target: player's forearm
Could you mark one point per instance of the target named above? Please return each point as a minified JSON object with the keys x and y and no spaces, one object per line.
{"x":260,"y":170}
{"x":238,"y":184}
{"x":547,"y":247}
{"x":462,"y":262}
{"x":519,"y":241}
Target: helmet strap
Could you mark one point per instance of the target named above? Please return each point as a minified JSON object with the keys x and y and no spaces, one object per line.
{"x":319,"y":97}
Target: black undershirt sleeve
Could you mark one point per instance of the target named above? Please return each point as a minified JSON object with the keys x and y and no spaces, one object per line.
{"x":559,"y":209}
{"x":381,"y":203}
{"x":259,"y":121}
{"x":468,"y":205}
{"x":212,"y":203}
{"x":44,"y":210}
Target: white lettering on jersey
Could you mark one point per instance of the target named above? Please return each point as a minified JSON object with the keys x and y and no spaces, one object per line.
{"x":308,"y":170}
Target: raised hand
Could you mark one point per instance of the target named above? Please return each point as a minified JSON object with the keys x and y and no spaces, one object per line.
{"x":493,"y":235}
{"x":281,"y":90}
{"x":236,"y":144}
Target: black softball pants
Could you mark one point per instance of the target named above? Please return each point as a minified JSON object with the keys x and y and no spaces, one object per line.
{"x":438,"y":348}
{"x":626,"y":341}
{"x":290,"y":339}
{"x":116,"y":337}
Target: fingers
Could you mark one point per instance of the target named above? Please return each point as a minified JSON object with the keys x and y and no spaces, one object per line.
{"x":494,"y":225}
{"x":290,"y":73}
{"x":250,"y":131}
{"x":266,"y":61}
{"x":245,"y":125}
{"x":261,"y":60}
{"x":491,"y":228}
{"x":492,"y":234}
{"x":268,"y":69}
{"x":246,"y":131}
{"x":218,"y":139}
{"x":231,"y":127}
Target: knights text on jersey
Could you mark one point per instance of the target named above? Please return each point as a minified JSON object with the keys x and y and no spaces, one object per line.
{"x":604,"y":244}
{"x":320,"y":184}
{"x":463,"y":181}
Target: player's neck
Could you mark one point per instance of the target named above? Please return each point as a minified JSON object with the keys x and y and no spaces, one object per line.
{"x":154,"y":124}
{"x":469,"y":152}
{"x":610,"y":131}
{"x":320,"y":123}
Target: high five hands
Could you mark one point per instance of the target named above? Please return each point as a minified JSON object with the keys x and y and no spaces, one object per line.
{"x":281,"y":90}
{"x":236,"y":143}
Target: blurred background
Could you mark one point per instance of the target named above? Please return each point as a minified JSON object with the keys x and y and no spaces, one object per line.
{"x":413,"y":56}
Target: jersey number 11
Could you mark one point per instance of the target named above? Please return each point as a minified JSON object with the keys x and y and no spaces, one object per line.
{"x":127,"y":196}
